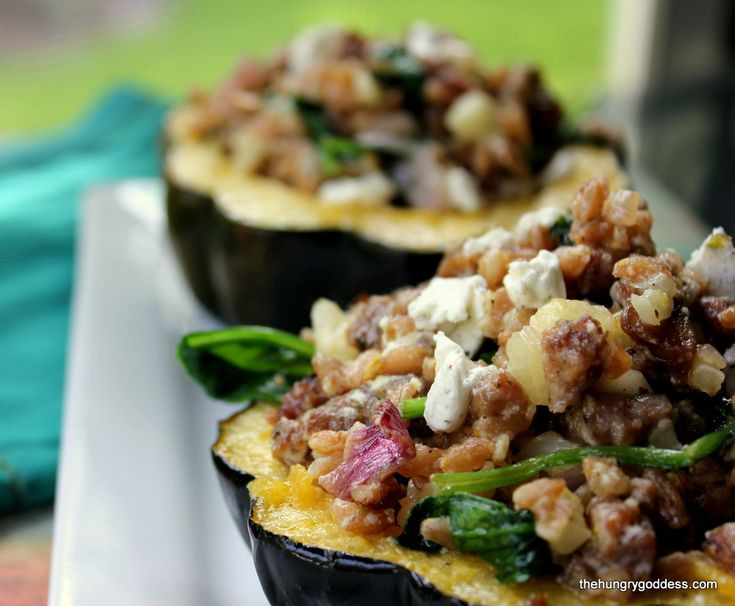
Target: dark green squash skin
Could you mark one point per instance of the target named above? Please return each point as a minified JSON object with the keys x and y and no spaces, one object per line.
{"x":189,"y":225}
{"x":293,"y":574}
{"x":252,"y":275}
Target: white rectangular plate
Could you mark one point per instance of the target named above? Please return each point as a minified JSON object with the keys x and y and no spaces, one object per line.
{"x":139,"y":515}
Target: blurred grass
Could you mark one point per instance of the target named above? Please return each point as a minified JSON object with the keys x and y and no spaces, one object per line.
{"x":196,"y":43}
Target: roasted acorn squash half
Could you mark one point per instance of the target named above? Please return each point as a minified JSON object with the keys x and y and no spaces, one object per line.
{"x":256,"y":251}
{"x":302,"y":557}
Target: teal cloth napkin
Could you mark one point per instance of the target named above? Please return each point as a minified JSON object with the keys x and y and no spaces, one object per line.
{"x":41,"y":182}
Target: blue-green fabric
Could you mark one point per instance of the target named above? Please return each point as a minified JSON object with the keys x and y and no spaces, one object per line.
{"x":41,"y":182}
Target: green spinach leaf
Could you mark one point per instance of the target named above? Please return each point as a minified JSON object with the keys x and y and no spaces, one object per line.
{"x":399,"y":69}
{"x":503,"y":536}
{"x":334,"y":150}
{"x":245,"y":362}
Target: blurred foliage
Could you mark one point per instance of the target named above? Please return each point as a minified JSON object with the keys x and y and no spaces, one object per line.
{"x":197,"y":42}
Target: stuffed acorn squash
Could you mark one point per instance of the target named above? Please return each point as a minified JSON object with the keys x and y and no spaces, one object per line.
{"x":347,"y":165}
{"x":548,"y":420}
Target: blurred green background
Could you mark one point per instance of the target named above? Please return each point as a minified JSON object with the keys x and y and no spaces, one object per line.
{"x":46,"y":80}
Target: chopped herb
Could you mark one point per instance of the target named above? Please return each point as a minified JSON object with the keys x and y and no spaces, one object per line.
{"x":246,"y":362}
{"x":401,"y":70}
{"x":338,"y":151}
{"x":560,"y":230}
{"x":335,"y":151}
{"x":487,"y":479}
{"x":314,"y":118}
{"x":504,"y":537}
{"x":414,"y":408}
{"x":488,"y":349}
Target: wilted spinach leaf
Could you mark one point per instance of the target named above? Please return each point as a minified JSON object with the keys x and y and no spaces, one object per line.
{"x":314,"y":117}
{"x":428,"y":507}
{"x":397,"y":68}
{"x":487,"y":350}
{"x":245,"y":362}
{"x":503,"y":536}
{"x":333,"y":149}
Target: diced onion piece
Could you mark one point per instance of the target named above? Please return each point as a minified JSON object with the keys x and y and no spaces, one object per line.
{"x":706,"y":374}
{"x":653,"y":306}
{"x":544,"y":443}
{"x":471,"y":115}
{"x":630,"y":383}
{"x":329,"y":325}
{"x":663,"y":435}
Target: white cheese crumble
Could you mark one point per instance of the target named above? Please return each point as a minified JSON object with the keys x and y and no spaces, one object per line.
{"x":543,"y":217}
{"x":314,"y":46}
{"x":449,"y":396}
{"x":371,"y":189}
{"x":715,"y":259}
{"x":532,"y":283}
{"x":430,"y":44}
{"x":498,"y":238}
{"x":455,"y":306}
{"x":462,"y":189}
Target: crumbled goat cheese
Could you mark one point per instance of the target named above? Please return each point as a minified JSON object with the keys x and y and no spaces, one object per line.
{"x":430,"y":44}
{"x":715,"y":259}
{"x":455,"y":306}
{"x":498,"y":238}
{"x":462,"y":189}
{"x":450,"y":393}
{"x":314,"y":46}
{"x":543,"y":217}
{"x":535,"y":282}
{"x":373,"y":189}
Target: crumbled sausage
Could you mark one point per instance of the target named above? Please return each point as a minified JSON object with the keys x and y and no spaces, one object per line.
{"x":720,"y":546}
{"x":290,"y":438}
{"x":572,"y":356}
{"x":712,"y":489}
{"x":670,"y":504}
{"x":610,"y":419}
{"x":356,"y":518}
{"x":499,"y":410}
{"x":365,"y":332}
{"x":304,"y":395}
{"x":623,"y":546}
